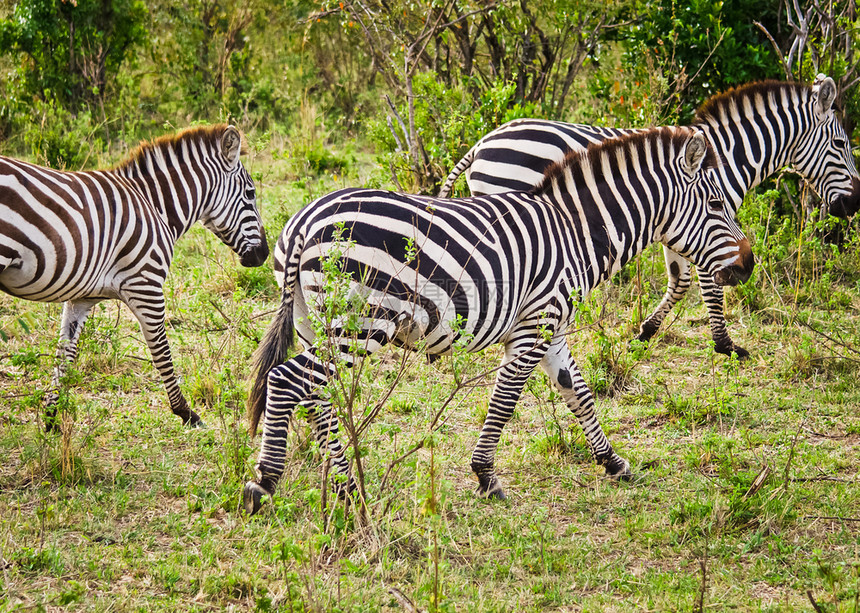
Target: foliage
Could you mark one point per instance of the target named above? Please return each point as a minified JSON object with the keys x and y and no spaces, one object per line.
{"x":206,"y":51}
{"x":449,"y":121}
{"x":59,"y":139}
{"x":71,"y":51}
{"x":702,"y":47}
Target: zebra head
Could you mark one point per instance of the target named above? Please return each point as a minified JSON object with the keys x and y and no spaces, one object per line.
{"x":703,"y":228}
{"x":232,"y":214}
{"x":823,"y":154}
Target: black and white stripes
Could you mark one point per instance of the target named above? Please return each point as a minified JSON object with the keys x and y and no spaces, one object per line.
{"x":507,"y":268}
{"x":83,"y":237}
{"x":756,"y":130}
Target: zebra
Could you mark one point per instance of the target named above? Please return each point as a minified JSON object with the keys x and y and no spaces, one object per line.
{"x":83,"y":237}
{"x":756,"y":129}
{"x":504,"y":268}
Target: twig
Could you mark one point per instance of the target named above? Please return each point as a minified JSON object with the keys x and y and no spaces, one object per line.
{"x":822,"y":358}
{"x":758,"y":482}
{"x":827,"y":336}
{"x":699,"y":606}
{"x":822,"y":435}
{"x":785,"y":68}
{"x":403,"y":600}
{"x":814,"y":604}
{"x":791,"y":453}
{"x":263,"y":314}
{"x":832,"y":518}
{"x":217,"y":308}
{"x":399,"y":119}
{"x":313,"y":17}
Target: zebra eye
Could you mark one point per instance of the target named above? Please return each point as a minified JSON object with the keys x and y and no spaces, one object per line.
{"x":839,"y":143}
{"x":715,"y":206}
{"x":250,"y":194}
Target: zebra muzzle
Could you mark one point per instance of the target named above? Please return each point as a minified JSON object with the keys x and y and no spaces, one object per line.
{"x":845,"y":206}
{"x":255,"y":256}
{"x":739,"y":271}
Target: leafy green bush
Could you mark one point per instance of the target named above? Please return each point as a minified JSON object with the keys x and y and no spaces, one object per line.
{"x":71,"y":51}
{"x":702,"y":47}
{"x":60,"y":139}
{"x":449,"y":121}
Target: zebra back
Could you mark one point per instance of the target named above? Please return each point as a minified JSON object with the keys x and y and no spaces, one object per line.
{"x":756,"y":129}
{"x":505,"y":165}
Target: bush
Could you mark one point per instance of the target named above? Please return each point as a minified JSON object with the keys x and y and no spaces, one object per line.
{"x":59,"y":139}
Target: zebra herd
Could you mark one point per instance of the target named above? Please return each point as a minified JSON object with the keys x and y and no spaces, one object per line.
{"x":556,"y":209}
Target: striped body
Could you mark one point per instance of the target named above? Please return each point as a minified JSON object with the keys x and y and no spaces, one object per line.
{"x":756,"y":130}
{"x":83,"y":237}
{"x":509,"y":268}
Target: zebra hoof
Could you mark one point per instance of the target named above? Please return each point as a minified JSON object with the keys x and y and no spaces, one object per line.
{"x":742,"y":353}
{"x":490,"y":487}
{"x":726,"y":347}
{"x":189,"y":418}
{"x":252,"y":497}
{"x":647,"y":331}
{"x":497,"y":494}
{"x":619,"y":469}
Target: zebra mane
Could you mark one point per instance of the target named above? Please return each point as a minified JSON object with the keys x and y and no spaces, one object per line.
{"x":671,"y":137}
{"x":711,"y":107}
{"x":207,"y":135}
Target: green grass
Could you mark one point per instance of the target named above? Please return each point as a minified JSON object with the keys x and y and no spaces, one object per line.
{"x":131,"y":511}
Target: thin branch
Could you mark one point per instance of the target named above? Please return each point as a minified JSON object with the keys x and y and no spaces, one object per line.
{"x":399,"y":120}
{"x":827,"y":336}
{"x":814,"y":604}
{"x":785,"y":67}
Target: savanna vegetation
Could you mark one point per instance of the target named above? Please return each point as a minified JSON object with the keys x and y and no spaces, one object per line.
{"x":746,"y":495}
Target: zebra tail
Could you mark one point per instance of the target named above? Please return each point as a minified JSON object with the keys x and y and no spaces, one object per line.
{"x":459,"y":169}
{"x":273,"y":350}
{"x":278,"y":340}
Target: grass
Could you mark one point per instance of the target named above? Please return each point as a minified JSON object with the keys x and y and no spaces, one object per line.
{"x":746,"y":499}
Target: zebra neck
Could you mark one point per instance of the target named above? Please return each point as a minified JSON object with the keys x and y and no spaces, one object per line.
{"x":164,"y":181}
{"x":607,"y":231}
{"x":755,"y":137}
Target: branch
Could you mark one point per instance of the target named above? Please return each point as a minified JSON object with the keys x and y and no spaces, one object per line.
{"x":827,"y":336}
{"x":785,"y":66}
{"x":814,"y":604}
{"x":399,"y":120}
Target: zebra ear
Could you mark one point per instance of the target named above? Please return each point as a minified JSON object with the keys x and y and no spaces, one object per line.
{"x":231,"y":146}
{"x":695,"y":151}
{"x":823,"y":94}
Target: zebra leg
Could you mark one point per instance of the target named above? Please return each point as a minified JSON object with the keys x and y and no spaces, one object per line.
{"x":149,"y":311}
{"x":288,"y":384}
{"x":325,"y":423}
{"x":517,"y":366}
{"x":678,"y":271}
{"x":712,"y":294}
{"x":565,"y":375}
{"x":75,"y":313}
